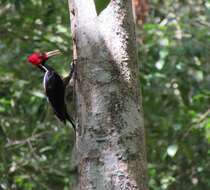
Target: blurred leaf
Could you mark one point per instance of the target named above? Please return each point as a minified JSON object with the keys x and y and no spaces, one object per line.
{"x":207,"y":123}
{"x":101,"y":4}
{"x":172,"y":149}
{"x":38,"y":94}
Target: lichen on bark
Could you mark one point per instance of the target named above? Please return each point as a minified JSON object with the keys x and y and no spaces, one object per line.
{"x":110,"y":136}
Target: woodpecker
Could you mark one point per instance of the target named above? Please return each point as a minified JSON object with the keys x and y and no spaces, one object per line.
{"x":54,"y":86}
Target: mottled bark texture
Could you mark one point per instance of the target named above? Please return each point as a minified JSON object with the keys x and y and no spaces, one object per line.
{"x":110,"y":140}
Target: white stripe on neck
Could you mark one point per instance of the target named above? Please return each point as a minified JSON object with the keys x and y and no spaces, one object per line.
{"x":44,"y":80}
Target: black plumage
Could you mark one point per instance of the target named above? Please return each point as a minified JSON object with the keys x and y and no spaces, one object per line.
{"x":55,"y":91}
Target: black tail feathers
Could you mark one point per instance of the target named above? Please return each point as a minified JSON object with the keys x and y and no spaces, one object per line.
{"x":69,"y":118}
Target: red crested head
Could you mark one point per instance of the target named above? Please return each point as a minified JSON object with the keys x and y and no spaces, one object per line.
{"x":39,"y":58}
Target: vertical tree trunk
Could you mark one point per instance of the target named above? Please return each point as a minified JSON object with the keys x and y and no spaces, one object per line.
{"x":110,"y":135}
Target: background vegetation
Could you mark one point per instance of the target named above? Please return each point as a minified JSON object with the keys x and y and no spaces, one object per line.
{"x":174,"y":53}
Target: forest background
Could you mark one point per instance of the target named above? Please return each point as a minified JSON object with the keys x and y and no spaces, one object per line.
{"x":174,"y":58}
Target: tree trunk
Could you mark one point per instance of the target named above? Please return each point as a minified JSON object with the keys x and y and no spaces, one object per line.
{"x":110,"y":140}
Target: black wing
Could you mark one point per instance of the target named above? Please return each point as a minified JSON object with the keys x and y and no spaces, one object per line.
{"x":55,"y":92}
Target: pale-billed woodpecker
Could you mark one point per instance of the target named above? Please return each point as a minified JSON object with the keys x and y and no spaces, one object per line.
{"x":53,"y":84}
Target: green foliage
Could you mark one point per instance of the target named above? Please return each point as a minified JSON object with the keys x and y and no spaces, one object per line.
{"x":101,"y":5}
{"x":35,"y":148}
{"x":176,"y":93}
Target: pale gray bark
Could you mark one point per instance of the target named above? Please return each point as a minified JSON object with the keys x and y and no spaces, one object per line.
{"x":110,"y":140}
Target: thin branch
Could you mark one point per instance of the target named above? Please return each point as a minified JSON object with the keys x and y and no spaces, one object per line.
{"x":25,"y":141}
{"x":199,"y":120}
